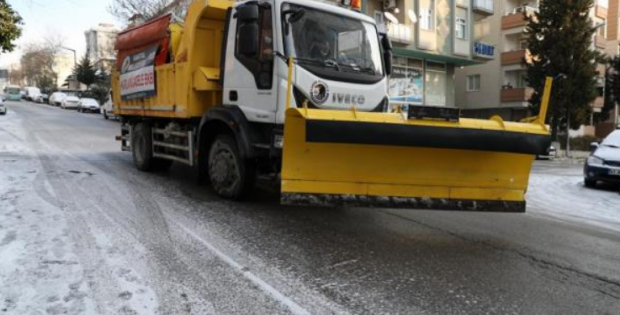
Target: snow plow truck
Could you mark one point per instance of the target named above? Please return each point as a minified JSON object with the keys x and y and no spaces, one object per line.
{"x":296,"y":92}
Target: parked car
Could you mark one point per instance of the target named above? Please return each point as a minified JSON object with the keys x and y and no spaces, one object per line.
{"x":32,"y":93}
{"x":107,"y":110}
{"x":43,"y":99}
{"x":551,"y":154}
{"x":70,"y":102}
{"x":603,"y":165}
{"x":57,"y":97}
{"x":88,"y":105}
{"x":2,"y":107}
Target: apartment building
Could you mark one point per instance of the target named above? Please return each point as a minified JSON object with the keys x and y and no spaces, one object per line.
{"x":100,"y":42}
{"x":499,"y":86}
{"x":431,"y":39}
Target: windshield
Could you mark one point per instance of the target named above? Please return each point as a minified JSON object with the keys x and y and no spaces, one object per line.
{"x":336,"y":41}
{"x":13,"y":90}
{"x":613,"y":140}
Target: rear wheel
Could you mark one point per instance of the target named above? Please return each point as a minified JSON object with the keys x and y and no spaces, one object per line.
{"x":231,"y":176}
{"x":141,"y":147}
{"x":142,"y":150}
{"x":590,"y":183}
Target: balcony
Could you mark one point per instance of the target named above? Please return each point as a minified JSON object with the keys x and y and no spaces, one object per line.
{"x":516,"y":95}
{"x":600,"y":11}
{"x":484,"y":7}
{"x":600,"y":42}
{"x":516,"y":18}
{"x":401,"y":33}
{"x":514,"y":57}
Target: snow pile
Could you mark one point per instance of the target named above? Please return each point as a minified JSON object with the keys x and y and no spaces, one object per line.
{"x":562,"y":195}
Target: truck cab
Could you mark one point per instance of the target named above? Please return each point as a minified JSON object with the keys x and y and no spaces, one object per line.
{"x":339,"y":61}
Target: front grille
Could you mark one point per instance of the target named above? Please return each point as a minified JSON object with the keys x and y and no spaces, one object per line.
{"x":613,"y":163}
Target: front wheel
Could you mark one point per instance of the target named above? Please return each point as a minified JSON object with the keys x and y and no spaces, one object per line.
{"x":590,"y":183}
{"x":105,"y":115}
{"x":231,"y":176}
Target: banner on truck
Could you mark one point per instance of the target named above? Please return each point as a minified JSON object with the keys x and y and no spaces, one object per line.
{"x":138,"y":75}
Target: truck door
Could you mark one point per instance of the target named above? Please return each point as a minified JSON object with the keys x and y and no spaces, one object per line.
{"x":249,"y":80}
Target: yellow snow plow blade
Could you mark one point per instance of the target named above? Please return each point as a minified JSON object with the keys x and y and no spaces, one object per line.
{"x":349,"y":158}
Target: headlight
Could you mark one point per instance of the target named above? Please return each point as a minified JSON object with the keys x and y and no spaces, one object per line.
{"x":593,"y":160}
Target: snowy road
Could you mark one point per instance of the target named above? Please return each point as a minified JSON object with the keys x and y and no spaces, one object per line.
{"x":83,"y":232}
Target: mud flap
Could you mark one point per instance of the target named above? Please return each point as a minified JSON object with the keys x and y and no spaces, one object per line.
{"x":344,"y":158}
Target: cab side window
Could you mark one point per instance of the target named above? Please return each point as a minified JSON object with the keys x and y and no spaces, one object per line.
{"x":261,"y":63}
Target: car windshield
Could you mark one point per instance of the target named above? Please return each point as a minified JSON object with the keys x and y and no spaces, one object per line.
{"x":336,"y":41}
{"x":612,"y":140}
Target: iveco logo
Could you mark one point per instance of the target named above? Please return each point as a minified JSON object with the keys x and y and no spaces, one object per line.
{"x":346,"y":98}
{"x":319,"y":93}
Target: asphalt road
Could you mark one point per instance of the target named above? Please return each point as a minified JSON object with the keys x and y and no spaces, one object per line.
{"x":158,"y":243}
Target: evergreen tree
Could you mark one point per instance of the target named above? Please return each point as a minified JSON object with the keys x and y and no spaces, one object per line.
{"x":85,"y":72}
{"x":612,"y":88}
{"x":560,"y":39}
{"x":10,"y":29}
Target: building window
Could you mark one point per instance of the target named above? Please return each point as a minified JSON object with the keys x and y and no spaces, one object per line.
{"x":380,"y":19}
{"x":522,"y":83}
{"x":427,"y":16}
{"x":602,"y":30}
{"x":473,"y":83}
{"x":461,"y":28}
{"x":436,"y":81}
{"x":407,"y":81}
{"x":461,"y":24}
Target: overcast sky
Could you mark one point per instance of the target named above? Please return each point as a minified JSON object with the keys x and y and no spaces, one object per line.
{"x":70,"y":18}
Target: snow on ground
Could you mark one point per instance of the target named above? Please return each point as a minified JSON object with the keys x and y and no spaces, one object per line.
{"x":41,"y":269}
{"x":558,"y":192}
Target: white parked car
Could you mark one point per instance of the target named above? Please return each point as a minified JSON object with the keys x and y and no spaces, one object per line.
{"x":2,"y":107}
{"x":88,"y":105}
{"x":70,"y":102}
{"x":57,"y":97}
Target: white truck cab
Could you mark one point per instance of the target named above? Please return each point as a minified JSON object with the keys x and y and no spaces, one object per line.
{"x":339,"y":59}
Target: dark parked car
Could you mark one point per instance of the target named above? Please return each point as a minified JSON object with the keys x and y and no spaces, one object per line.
{"x":603,"y":165}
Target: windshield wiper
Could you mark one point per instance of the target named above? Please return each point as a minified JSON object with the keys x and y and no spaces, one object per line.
{"x":330,"y":62}
{"x":611,"y":146}
{"x":327,"y":63}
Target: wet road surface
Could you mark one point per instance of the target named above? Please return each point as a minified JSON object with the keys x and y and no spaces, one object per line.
{"x":136,"y":243}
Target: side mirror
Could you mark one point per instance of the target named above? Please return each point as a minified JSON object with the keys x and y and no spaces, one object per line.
{"x":386,"y":43}
{"x":247,"y":13}
{"x":387,"y":60}
{"x":594,"y":146}
{"x":387,"y":53}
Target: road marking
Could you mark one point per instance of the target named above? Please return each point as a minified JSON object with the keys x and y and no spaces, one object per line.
{"x":264,"y":286}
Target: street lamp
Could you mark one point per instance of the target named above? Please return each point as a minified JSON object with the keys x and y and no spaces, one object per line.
{"x":74,"y":54}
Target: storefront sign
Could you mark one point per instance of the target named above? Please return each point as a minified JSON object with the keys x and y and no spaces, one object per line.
{"x":484,"y":50}
{"x":138,"y":75}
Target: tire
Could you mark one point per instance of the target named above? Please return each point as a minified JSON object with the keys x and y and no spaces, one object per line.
{"x":231,"y":176}
{"x":105,"y":114}
{"x":79,"y":110}
{"x":590,"y":183}
{"x":141,"y":148}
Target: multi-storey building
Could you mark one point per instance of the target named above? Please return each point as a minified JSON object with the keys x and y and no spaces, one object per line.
{"x":100,"y":45}
{"x":431,"y":39}
{"x":499,"y":87}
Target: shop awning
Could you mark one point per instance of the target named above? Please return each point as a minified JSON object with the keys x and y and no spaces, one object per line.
{"x":433,"y":57}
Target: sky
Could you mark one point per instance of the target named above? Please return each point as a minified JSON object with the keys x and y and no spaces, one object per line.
{"x":69,"y":18}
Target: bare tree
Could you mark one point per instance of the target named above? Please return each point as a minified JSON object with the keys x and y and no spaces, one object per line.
{"x":39,"y":60}
{"x":124,"y":10}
